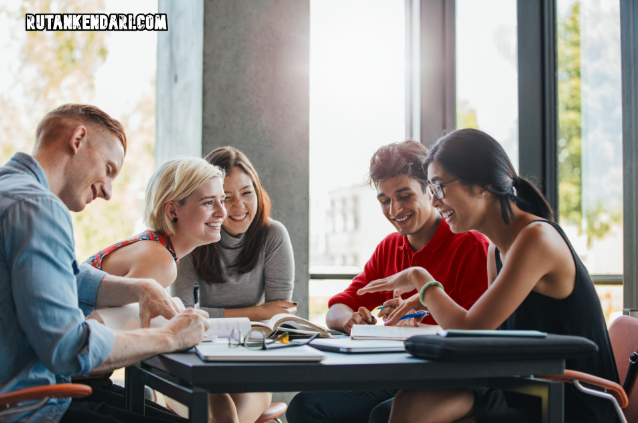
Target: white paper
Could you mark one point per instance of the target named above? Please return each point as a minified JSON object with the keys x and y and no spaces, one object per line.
{"x":128,"y":318}
{"x":399,"y":333}
{"x":223,"y":327}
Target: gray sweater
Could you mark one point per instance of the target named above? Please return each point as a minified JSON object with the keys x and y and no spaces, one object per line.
{"x":272,"y":279}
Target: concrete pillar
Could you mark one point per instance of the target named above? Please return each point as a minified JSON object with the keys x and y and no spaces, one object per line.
{"x":256,"y":98}
{"x":178,"y":109}
{"x":235,"y":72}
{"x":629,"y":58}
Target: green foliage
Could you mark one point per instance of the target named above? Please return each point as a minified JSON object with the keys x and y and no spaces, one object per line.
{"x":465,"y":116}
{"x":569,"y":118}
{"x":59,"y":67}
{"x":596,"y":223}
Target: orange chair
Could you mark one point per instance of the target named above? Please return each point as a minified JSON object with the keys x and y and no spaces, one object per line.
{"x":275,"y":410}
{"x":14,"y":402}
{"x":624,"y":341}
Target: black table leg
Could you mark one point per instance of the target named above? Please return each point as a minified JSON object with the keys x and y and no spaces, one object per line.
{"x":553,"y":408}
{"x":134,"y":389}
{"x":550,"y":392}
{"x":180,"y":390}
{"x":198,"y":411}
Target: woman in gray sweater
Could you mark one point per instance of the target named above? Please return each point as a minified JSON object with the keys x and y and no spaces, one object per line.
{"x":250,"y":271}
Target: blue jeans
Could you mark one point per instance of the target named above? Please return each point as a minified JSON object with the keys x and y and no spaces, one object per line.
{"x":341,"y":407}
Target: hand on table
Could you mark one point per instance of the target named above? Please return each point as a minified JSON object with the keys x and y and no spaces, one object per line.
{"x":272,"y":308}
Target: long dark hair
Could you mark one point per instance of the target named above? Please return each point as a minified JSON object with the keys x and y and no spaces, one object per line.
{"x":478,"y":159}
{"x":206,"y":257}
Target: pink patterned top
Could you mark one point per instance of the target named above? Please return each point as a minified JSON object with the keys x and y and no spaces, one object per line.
{"x":148,"y":235}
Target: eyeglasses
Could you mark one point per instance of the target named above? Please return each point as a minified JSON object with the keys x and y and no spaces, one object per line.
{"x":256,"y":340}
{"x":437,"y":189}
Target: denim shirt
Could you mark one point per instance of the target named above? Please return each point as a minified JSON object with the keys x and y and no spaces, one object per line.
{"x":44,"y":295}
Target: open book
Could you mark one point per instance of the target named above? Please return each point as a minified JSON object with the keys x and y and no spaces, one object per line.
{"x":292,"y":324}
{"x":128,"y":318}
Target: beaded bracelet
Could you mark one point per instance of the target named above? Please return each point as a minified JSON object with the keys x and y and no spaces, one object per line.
{"x":426,"y":286}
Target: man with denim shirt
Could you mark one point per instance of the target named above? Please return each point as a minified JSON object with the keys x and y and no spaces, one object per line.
{"x":44,"y":295}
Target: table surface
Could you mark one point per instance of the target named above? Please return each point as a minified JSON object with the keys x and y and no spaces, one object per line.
{"x":343,"y":372}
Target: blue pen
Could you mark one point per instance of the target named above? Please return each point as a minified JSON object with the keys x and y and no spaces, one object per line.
{"x":412,"y":316}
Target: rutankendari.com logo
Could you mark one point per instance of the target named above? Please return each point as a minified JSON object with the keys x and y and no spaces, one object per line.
{"x":96,"y":22}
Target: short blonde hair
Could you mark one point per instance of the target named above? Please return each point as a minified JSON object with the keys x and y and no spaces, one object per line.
{"x":174,"y":181}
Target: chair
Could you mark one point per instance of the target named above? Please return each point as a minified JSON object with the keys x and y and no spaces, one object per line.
{"x":273,"y":412}
{"x":623,"y":333}
{"x":11,"y":402}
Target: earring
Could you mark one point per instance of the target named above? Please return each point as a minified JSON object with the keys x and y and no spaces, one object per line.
{"x":483,"y":193}
{"x":175,"y":219}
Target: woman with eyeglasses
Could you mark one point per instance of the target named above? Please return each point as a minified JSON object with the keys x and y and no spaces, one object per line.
{"x":537,"y":282}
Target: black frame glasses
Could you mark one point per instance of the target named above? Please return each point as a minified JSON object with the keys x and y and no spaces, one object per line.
{"x":437,"y":188}
{"x":257,"y":340}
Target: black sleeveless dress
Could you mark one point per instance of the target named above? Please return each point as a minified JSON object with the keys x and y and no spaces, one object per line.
{"x":579,"y":314}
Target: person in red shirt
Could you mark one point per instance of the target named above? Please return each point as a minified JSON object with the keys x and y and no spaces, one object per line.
{"x":422,"y":239}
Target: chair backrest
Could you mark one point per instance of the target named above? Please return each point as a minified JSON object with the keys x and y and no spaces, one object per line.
{"x":623,"y":333}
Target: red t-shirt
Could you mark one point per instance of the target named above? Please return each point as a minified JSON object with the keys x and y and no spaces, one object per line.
{"x":458,"y":261}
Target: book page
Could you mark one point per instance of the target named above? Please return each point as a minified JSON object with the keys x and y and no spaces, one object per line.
{"x":294,"y":321}
{"x":128,"y":317}
{"x":224,"y":326}
{"x":298,"y":325}
{"x":399,"y":333}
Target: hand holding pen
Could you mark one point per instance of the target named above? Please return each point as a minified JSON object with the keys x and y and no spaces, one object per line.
{"x":362,"y":316}
{"x":410,"y":308}
{"x":388,"y":307}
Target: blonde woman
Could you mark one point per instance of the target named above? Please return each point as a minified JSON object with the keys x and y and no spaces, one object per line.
{"x":184,"y":208}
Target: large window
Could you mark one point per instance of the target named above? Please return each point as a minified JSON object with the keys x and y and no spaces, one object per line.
{"x":486,"y":70}
{"x":357,"y":104}
{"x":357,"y":93}
{"x":590,"y":138}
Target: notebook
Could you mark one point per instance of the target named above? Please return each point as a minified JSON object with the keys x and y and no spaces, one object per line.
{"x":391,"y":333}
{"x":220,"y":352}
{"x":128,"y":318}
{"x":349,"y":346}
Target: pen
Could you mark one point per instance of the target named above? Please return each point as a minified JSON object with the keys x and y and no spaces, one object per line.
{"x":196,"y":295}
{"x":412,"y":316}
{"x":382,"y":307}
